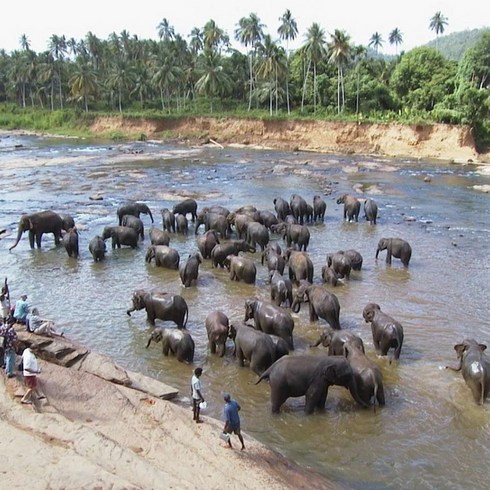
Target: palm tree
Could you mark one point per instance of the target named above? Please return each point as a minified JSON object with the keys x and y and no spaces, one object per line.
{"x":196,"y":40}
{"x":340,"y":53}
{"x":214,"y":37}
{"x":250,"y":32}
{"x":395,"y":37}
{"x":438,"y":24}
{"x":314,"y":51}
{"x":58,"y":50}
{"x":166,"y":74}
{"x":165,"y":30}
{"x":25,"y":44}
{"x":83,"y":83}
{"x":94,"y":48}
{"x":376,"y":41}
{"x":288,"y":30}
{"x":359,"y":53}
{"x":120,"y":78}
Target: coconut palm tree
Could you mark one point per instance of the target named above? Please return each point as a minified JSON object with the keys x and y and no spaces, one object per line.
{"x":340,"y":54}
{"x":395,"y":37}
{"x":196,"y":42}
{"x":83,"y":82}
{"x":358,"y":53}
{"x":214,"y":37}
{"x":288,"y":30}
{"x":58,"y":50}
{"x":376,"y":41}
{"x":165,"y":31}
{"x":438,"y":24}
{"x":25,"y":44}
{"x":120,"y":79}
{"x":166,"y":75}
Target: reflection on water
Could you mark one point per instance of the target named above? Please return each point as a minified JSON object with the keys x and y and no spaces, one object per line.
{"x":430,"y":431}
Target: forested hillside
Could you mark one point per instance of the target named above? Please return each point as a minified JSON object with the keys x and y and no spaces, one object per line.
{"x":454,"y":45}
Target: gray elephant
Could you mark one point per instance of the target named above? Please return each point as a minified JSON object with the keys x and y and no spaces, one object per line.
{"x":70,"y":242}
{"x":37,"y":224}
{"x":134,"y":209}
{"x":281,"y":347}
{"x":352,"y":207}
{"x":319,"y":209}
{"x":164,"y":256}
{"x":273,"y":258}
{"x":329,"y":276}
{"x":397,"y":248}
{"x":268,"y":219}
{"x":121,"y":235}
{"x":181,"y":224}
{"x":135,"y":223}
{"x":340,"y":263}
{"x":162,"y":306}
{"x":97,"y":248}
{"x":475,"y":365}
{"x":355,"y":258}
{"x":241,"y":269}
{"x":159,"y":237}
{"x":185,"y":207}
{"x":252,"y":345}
{"x":206,"y":243}
{"x":368,"y":376}
{"x":68,"y":221}
{"x":270,"y":319}
{"x":217,"y":328}
{"x":281,"y":289}
{"x":309,"y":213}
{"x":223,"y":250}
{"x":240,"y":222}
{"x":257,"y":234}
{"x":168,"y":220}
{"x":217,"y":209}
{"x":370,"y":211}
{"x":310,"y":376}
{"x":212,"y":221}
{"x":300,"y":266}
{"x":189,"y":270}
{"x":294,"y":234}
{"x":175,"y":341}
{"x":334,"y":340}
{"x":387,"y":332}
{"x":282,"y":208}
{"x":298,"y":208}
{"x":322,"y":303}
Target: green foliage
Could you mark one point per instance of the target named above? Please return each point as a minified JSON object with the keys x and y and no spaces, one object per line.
{"x":453,"y":46}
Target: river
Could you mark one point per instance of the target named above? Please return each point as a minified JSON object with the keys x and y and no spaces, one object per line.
{"x":430,"y":434}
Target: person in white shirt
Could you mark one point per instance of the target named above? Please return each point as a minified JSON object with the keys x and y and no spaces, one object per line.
{"x":197,"y":397}
{"x":31,"y":369}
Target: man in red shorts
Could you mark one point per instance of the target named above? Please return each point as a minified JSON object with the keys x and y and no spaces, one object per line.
{"x":31,"y":369}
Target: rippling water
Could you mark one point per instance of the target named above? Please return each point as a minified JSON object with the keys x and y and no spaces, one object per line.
{"x":429,"y":435}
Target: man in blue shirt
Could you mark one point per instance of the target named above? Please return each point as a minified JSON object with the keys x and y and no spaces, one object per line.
{"x":21,"y":310}
{"x":232,"y":424}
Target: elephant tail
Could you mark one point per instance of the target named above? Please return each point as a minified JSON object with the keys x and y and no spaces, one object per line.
{"x":186,"y":316}
{"x":482,"y":383}
{"x":375,"y":391}
{"x":264,"y":375}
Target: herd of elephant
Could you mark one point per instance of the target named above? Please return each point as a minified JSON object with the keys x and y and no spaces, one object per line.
{"x":265,"y":345}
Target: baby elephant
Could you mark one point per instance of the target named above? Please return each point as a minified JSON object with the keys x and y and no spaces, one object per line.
{"x":178,"y":342}
{"x":334,"y":340}
{"x":189,"y":270}
{"x":397,"y":248}
{"x":475,"y":366}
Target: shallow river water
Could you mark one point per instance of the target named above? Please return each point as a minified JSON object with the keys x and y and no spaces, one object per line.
{"x":430,"y":434}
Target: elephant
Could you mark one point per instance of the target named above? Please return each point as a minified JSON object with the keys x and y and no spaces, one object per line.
{"x":319,"y":208}
{"x":329,"y":276}
{"x":281,"y":289}
{"x":97,"y":248}
{"x":159,"y":237}
{"x":397,"y":248}
{"x":268,"y":219}
{"x":206,"y":243}
{"x":309,"y":213}
{"x":181,"y":224}
{"x":68,"y":221}
{"x":340,"y":263}
{"x":217,"y":328}
{"x":334,"y":340}
{"x":222,"y":250}
{"x":185,"y":207}
{"x":281,"y":347}
{"x":162,"y":306}
{"x":370,"y":211}
{"x":37,"y":224}
{"x":294,"y":234}
{"x":387,"y":332}
{"x":322,"y":303}
{"x":70,"y":242}
{"x":270,"y":319}
{"x":368,"y":376}
{"x":121,"y":235}
{"x":135,"y":223}
{"x":352,"y":206}
{"x":257,"y":234}
{"x":133,"y":208}
{"x":212,"y":221}
{"x":217,"y":209}
{"x":282,"y":208}
{"x":241,"y":269}
{"x":168,"y":219}
{"x":290,"y":220}
{"x":252,"y":345}
{"x":178,"y":342}
{"x":189,"y":270}
{"x":240,"y":222}
{"x":164,"y":256}
{"x":249,"y":209}
{"x":300,"y":266}
{"x":294,"y":376}
{"x":298,"y":208}
{"x":355,"y":258}
{"x":475,"y":365}
{"x":275,"y":261}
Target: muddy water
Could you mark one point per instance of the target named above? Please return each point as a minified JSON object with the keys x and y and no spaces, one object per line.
{"x":429,"y":435}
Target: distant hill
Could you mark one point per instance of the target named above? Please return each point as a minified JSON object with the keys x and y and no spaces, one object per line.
{"x":454,"y":45}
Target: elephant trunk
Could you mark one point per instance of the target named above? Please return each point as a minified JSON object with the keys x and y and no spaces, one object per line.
{"x":128,"y":312}
{"x":377,"y":252}
{"x":19,"y":236}
{"x":149,"y":342}
{"x":458,"y":368}
{"x":317,"y":343}
{"x":355,"y":393}
{"x":296,"y":306}
{"x":151,"y":216}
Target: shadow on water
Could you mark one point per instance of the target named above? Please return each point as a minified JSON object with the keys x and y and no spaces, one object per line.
{"x":430,"y":432}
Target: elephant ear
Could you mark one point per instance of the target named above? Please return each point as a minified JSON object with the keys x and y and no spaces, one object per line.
{"x":460,"y":348}
{"x":31,"y":226}
{"x":482,"y":347}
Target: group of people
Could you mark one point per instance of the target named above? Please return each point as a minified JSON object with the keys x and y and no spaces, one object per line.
{"x":230,"y":411}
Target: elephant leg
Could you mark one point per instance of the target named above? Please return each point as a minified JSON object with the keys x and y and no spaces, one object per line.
{"x":388,"y":256}
{"x":165,"y":348}
{"x":277,"y":400}
{"x":398,"y":350}
{"x":313,"y":398}
{"x":39,"y":237}
{"x":57,"y":235}
{"x":313,"y":314}
{"x":380,"y":395}
{"x":212,"y":346}
{"x":239,"y":356}
{"x":476,"y":389}
{"x":31,"y":238}
{"x":385,"y":346}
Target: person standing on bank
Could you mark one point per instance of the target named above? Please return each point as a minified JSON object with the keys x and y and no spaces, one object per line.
{"x":197,"y":397}
{"x":31,"y":369}
{"x":232,"y":419}
{"x":5,"y":302}
{"x":9,"y":334}
{"x":21,"y":310}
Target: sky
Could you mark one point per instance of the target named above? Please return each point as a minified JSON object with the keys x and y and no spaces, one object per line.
{"x":40,"y":19}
